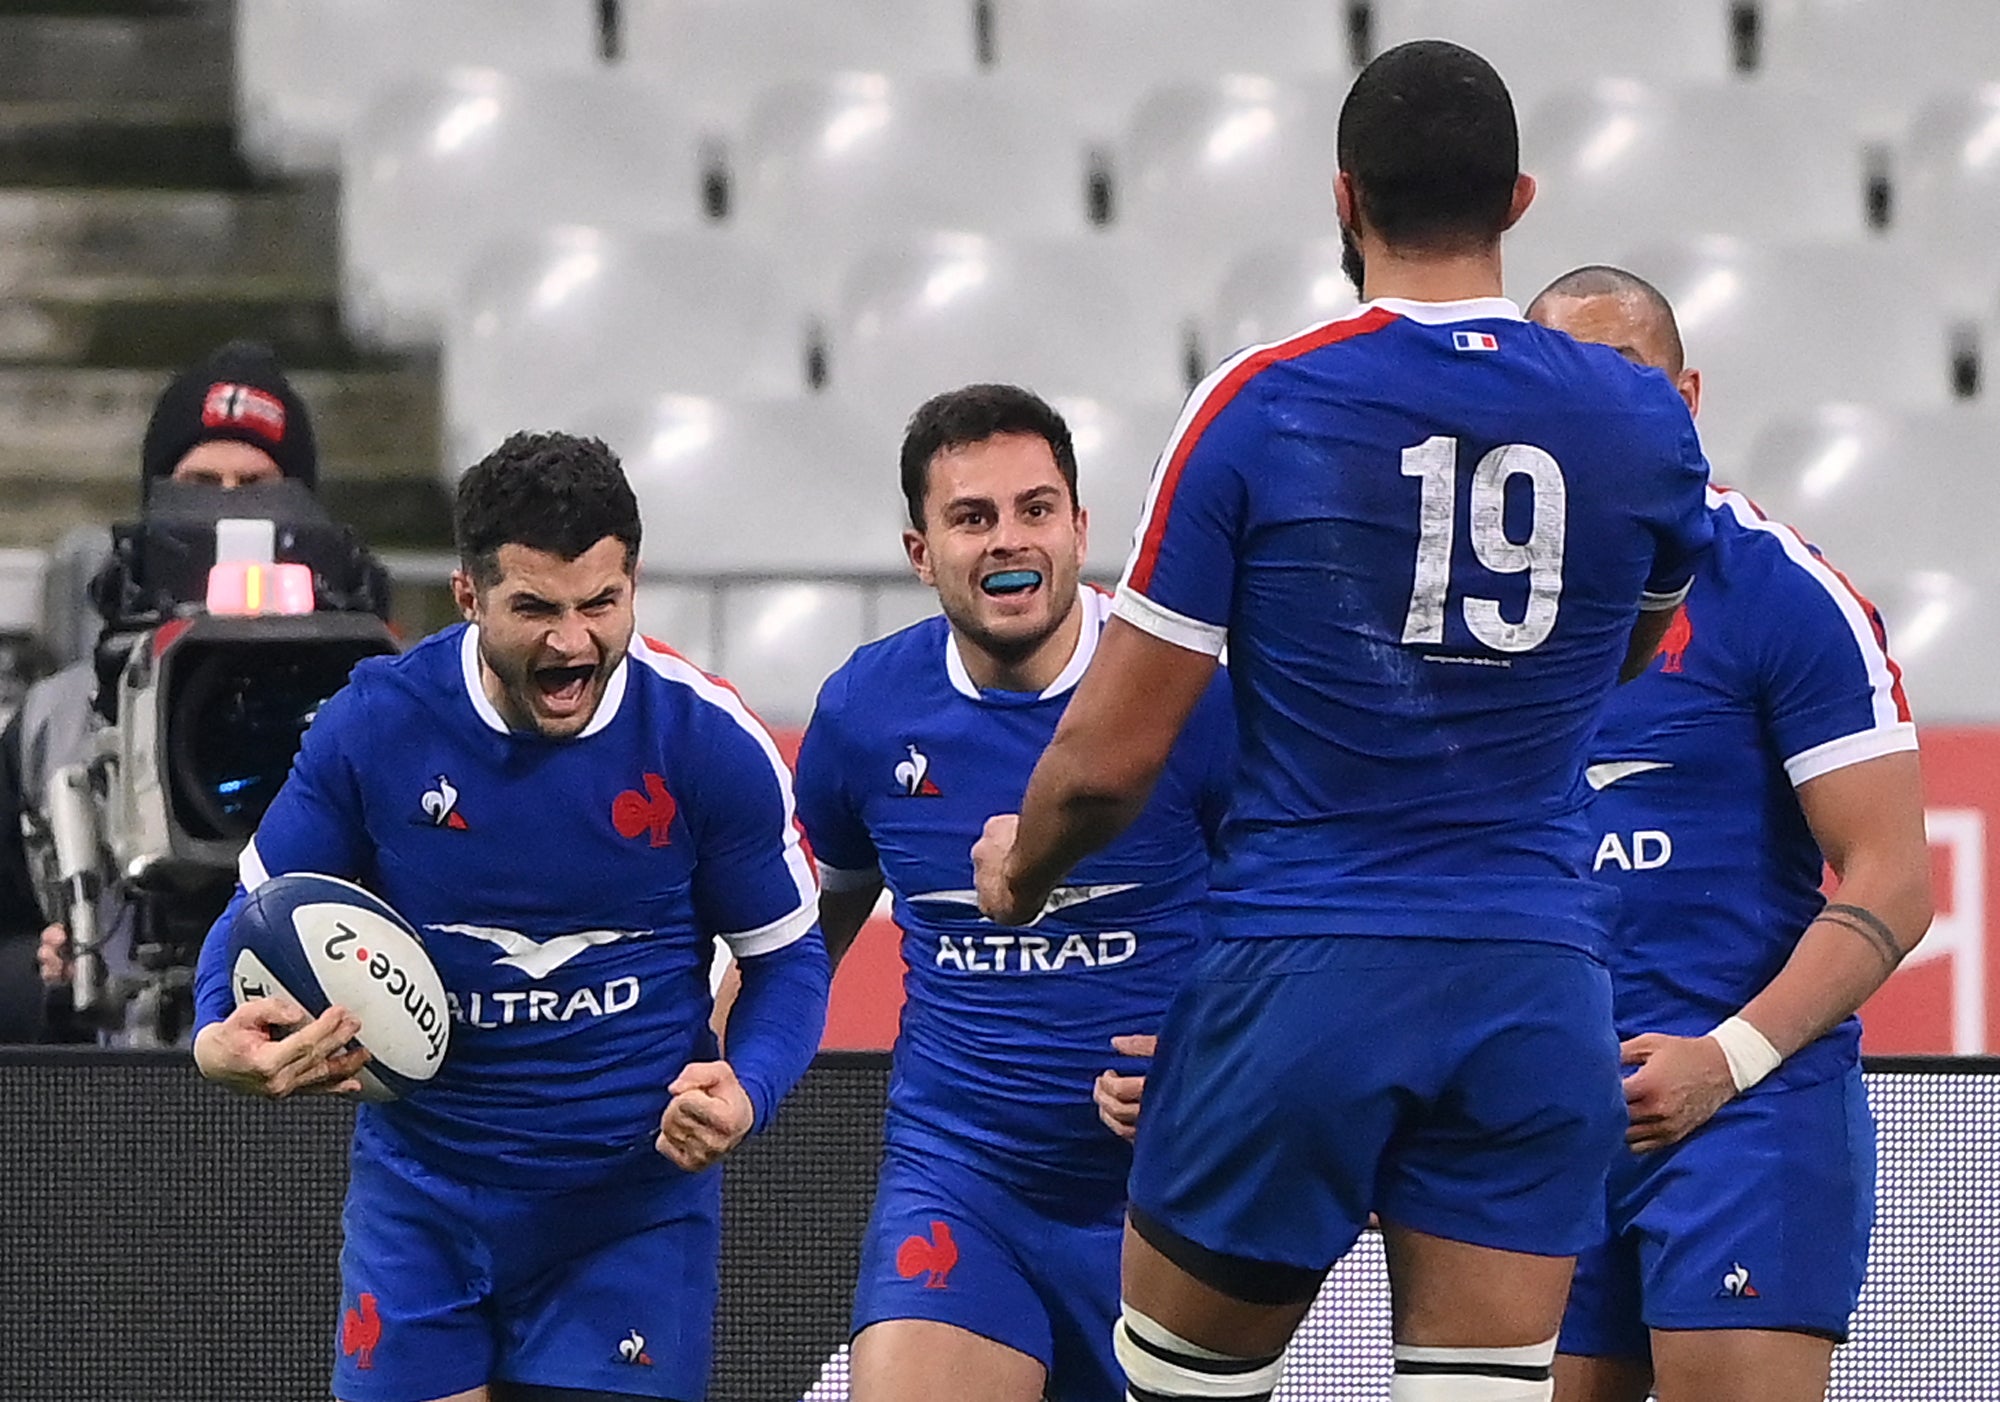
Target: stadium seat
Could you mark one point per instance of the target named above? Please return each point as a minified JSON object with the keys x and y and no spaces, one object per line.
{"x":1073,"y":317}
{"x":441,"y":166}
{"x":1940,"y":624}
{"x":781,"y":641}
{"x":1275,"y":290}
{"x":800,"y":486}
{"x":899,"y":604}
{"x":1885,"y":494}
{"x":680,"y":615}
{"x":1102,"y":56}
{"x":718,"y":55}
{"x":854,"y":157}
{"x":1947,"y":194}
{"x":561,"y":321}
{"x":1777,"y":328}
{"x":1541,"y":45}
{"x":1620,"y":157}
{"x":1882,"y":56}
{"x":306,"y":70}
{"x":1116,"y":447}
{"x":1207,"y":170}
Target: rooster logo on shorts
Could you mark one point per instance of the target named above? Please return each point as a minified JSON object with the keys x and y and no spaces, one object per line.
{"x":931,"y":1257}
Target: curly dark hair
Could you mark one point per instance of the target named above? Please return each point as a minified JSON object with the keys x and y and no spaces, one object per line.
{"x":961,"y":417}
{"x":554,"y":492}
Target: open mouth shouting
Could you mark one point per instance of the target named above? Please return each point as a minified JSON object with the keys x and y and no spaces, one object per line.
{"x":562,"y":690}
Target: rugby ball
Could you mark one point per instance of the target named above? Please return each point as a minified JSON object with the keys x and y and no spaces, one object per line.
{"x":325,"y":941}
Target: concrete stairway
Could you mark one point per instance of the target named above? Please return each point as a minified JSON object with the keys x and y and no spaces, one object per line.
{"x":133,"y":240}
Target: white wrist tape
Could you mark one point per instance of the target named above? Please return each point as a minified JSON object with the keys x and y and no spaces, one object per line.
{"x":1750,"y":1055}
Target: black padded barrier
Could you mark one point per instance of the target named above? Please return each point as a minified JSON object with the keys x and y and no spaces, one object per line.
{"x":162,"y":1241}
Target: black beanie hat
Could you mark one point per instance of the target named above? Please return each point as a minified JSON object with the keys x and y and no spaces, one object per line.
{"x":238,"y":394}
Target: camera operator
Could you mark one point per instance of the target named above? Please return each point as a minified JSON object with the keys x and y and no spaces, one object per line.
{"x":231,"y":421}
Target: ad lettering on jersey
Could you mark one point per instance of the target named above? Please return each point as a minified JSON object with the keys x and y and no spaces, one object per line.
{"x":1034,"y":954}
{"x":538,"y":959}
{"x":504,"y":1009}
{"x":1646,"y":850}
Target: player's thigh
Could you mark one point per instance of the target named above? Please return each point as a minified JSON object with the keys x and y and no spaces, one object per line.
{"x":920,"y":1360}
{"x":1581,"y":1379}
{"x":413,"y":1286}
{"x":1759,"y":1221}
{"x":1447,"y":1294}
{"x":1271,"y":1100}
{"x":1511,"y":1149}
{"x":1179,"y":1296}
{"x":1741,"y":1365}
{"x":945,"y":1245}
{"x":614,"y":1291}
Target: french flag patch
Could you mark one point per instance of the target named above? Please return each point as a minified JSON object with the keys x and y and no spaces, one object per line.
{"x":1474,"y":341}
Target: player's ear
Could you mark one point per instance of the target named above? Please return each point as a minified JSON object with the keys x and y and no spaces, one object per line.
{"x":1082,"y":536}
{"x":465,"y":593}
{"x":919,"y":551}
{"x":1689,"y":384}
{"x":1343,"y":199}
{"x":1524,"y":195}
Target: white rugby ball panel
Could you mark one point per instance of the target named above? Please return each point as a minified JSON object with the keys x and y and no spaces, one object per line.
{"x":327,"y":941}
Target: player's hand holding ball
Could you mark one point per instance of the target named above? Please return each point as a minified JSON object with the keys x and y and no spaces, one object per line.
{"x":708,"y":1116}
{"x":1118,"y":1096}
{"x":271,"y":1047}
{"x":1680,"y":1083}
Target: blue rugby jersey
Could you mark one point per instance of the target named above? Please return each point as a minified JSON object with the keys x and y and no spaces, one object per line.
{"x":568,"y":890}
{"x":1005,"y":1029}
{"x":1774,"y":672}
{"x":1424,"y":533}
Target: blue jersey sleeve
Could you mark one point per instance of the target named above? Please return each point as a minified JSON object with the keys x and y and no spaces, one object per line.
{"x":1213,"y":726}
{"x":753,"y":884}
{"x":1677,"y":512}
{"x":1180,"y":582}
{"x":314,"y":824}
{"x":1830,"y":694}
{"x":828,"y":805}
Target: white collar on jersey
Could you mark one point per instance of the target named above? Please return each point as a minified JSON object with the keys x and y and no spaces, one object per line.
{"x":475,"y":689}
{"x":1438,"y":313}
{"x":1096,"y":607}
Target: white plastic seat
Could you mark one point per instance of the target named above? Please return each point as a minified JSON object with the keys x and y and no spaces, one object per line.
{"x":899,"y":604}
{"x":1067,"y":318}
{"x":440,"y":167}
{"x":1883,"y":56}
{"x":772,"y":487}
{"x":306,"y":70}
{"x":558,"y":322}
{"x":1541,"y":45}
{"x":680,"y":615}
{"x":1116,"y":448}
{"x":782,"y":641}
{"x":1103,"y":56}
{"x":1885,"y":494}
{"x":1947,"y":194}
{"x":1275,"y":290}
{"x":1940,"y":625}
{"x":1779,"y":328}
{"x":719,"y":55}
{"x":1207,"y":170}
{"x":1621,"y":159}
{"x":827,"y":165}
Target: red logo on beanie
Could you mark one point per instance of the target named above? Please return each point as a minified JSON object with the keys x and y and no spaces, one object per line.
{"x":244,"y":407}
